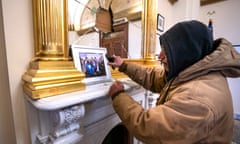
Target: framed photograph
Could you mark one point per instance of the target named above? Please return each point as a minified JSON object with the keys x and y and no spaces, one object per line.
{"x":91,"y":61}
{"x":160,"y":23}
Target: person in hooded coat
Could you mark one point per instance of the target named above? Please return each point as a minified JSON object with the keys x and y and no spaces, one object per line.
{"x":195,"y":103}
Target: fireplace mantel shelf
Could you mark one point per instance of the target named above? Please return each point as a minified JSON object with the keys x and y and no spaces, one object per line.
{"x":90,"y":93}
{"x":85,"y":116}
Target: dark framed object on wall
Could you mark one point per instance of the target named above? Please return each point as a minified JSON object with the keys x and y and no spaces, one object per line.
{"x":160,"y":23}
{"x":116,"y":42}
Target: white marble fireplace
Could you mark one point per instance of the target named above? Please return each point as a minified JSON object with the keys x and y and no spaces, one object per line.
{"x":84,"y":117}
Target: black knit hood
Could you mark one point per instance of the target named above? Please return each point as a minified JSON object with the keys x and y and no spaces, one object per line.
{"x":186,"y":43}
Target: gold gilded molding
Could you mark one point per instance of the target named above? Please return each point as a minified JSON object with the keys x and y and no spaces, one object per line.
{"x":53,"y":90}
{"x":51,"y":71}
{"x":50,"y":29}
{"x":49,"y":78}
{"x":149,"y":24}
{"x":149,"y":63}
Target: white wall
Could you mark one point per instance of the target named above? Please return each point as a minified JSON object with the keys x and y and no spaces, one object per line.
{"x":177,"y":12}
{"x":166,"y":10}
{"x":89,"y":39}
{"x":185,"y":10}
{"x":234,"y":87}
{"x":226,"y":24}
{"x":7,"y":133}
{"x":226,"y":19}
{"x":18,"y":27}
{"x":134,"y":39}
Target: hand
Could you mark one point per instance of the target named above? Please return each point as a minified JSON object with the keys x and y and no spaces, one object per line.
{"x":115,"y":88}
{"x":117,"y":61}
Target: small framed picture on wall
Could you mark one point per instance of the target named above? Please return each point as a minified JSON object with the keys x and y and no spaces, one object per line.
{"x":160,"y":23}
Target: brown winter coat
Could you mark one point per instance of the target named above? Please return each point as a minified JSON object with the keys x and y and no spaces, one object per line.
{"x":195,"y":107}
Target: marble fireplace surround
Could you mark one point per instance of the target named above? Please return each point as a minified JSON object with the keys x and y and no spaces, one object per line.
{"x":84,"y":117}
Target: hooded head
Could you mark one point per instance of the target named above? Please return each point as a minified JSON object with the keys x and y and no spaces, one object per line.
{"x":185,"y":44}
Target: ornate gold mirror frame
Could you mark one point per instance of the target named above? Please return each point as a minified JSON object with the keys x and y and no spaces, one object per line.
{"x":52,"y":71}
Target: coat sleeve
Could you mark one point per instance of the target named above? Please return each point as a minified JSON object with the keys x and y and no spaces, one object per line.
{"x":180,"y":120}
{"x":151,"y":78}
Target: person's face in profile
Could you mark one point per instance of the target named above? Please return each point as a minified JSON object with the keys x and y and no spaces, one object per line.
{"x":163,"y":58}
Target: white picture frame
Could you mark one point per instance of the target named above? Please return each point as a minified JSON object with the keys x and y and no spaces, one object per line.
{"x":92,"y":62}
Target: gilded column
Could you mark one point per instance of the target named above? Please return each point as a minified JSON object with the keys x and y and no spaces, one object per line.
{"x":50,"y":29}
{"x":149,"y":24}
{"x":51,"y":71}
